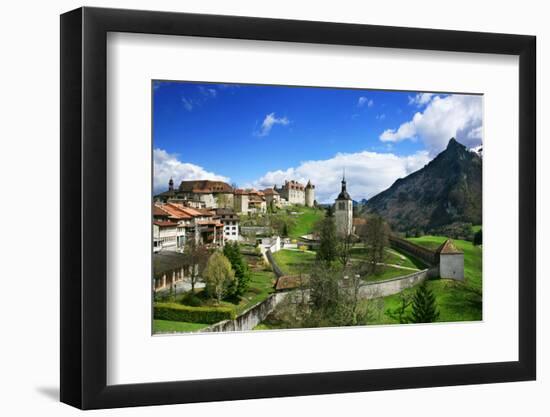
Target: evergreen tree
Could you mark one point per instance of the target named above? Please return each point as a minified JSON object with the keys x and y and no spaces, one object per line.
{"x":328,"y":250}
{"x":233,"y":253}
{"x":424,"y":308}
{"x":478,"y":238}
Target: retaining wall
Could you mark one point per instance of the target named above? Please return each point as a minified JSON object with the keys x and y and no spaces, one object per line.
{"x":250,"y":318}
{"x":396,"y":285}
{"x":425,"y":255}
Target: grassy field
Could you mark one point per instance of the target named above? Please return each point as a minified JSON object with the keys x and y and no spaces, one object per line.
{"x":293,"y":261}
{"x":165,"y":326}
{"x":457,"y":301}
{"x":391,"y":257}
{"x":305,"y":221}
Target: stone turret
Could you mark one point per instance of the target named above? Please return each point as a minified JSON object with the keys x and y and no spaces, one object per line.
{"x":310,"y":194}
{"x":171,"y":184}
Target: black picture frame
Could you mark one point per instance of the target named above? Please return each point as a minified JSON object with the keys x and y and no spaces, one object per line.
{"x":84,"y":207}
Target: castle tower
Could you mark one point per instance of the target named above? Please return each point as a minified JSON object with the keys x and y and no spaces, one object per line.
{"x":310,"y":194}
{"x":343,"y":211}
{"x":171,"y":184}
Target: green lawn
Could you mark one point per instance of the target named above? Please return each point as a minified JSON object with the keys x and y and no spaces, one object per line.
{"x":305,"y":221}
{"x":260,"y":286}
{"x":392,"y":256}
{"x":293,"y":261}
{"x":457,"y":301}
{"x":165,"y":326}
{"x":387,"y":272}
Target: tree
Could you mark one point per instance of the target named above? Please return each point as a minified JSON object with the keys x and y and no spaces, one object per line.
{"x":375,"y":236}
{"x":218,"y":276}
{"x":232,"y":252}
{"x":224,"y":201}
{"x":327,"y":250}
{"x":424,"y":306}
{"x":478,"y":238}
{"x":345,"y":244}
{"x":282,"y":223}
{"x":323,"y":295}
{"x":196,"y":257}
{"x":399,"y":313}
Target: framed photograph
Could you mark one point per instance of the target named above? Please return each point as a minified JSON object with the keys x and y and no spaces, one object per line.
{"x":260,"y":208}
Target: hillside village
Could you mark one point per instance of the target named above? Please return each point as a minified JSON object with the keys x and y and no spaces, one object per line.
{"x":274,"y":239}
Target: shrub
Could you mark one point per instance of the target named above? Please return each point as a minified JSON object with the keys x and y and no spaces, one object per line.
{"x":192,"y":300}
{"x":178,"y":312}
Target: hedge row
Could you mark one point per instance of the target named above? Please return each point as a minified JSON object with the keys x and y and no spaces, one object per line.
{"x":178,"y":312}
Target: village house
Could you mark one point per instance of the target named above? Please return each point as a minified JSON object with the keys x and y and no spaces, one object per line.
{"x":170,"y":268}
{"x":168,"y":230}
{"x":230,"y":221}
{"x":200,"y":224}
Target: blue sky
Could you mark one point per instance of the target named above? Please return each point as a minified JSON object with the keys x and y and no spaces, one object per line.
{"x":257,"y":135}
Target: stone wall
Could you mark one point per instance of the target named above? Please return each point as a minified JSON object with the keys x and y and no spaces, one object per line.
{"x":396,"y":285}
{"x":420,"y":252}
{"x":250,"y":318}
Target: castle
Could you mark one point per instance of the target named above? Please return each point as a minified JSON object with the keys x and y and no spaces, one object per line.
{"x":218,"y":194}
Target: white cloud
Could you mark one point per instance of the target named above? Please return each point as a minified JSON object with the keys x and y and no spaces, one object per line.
{"x":187,"y":103}
{"x":367,"y":173}
{"x":458,"y":116}
{"x":166,"y":166}
{"x":271,"y":120}
{"x":208,"y":92}
{"x":362,"y":101}
{"x":420,"y":99}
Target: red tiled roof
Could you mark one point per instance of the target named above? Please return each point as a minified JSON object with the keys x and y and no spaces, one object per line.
{"x":270,"y":191}
{"x":157,"y":211}
{"x":164,"y":224}
{"x":176,"y":211}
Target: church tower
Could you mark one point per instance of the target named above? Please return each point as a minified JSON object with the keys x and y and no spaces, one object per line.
{"x":171,"y":184}
{"x":343,"y":211}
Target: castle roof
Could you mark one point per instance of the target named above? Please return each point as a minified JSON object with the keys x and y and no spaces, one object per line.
{"x":205,"y":187}
{"x":448,"y":248}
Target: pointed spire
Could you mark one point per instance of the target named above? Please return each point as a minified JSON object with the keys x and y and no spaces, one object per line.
{"x":171,"y":184}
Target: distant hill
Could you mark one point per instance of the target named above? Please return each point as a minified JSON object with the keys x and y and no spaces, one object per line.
{"x":446,"y":191}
